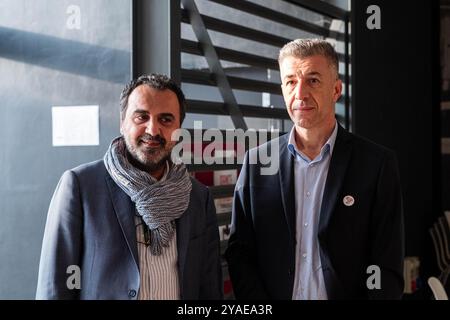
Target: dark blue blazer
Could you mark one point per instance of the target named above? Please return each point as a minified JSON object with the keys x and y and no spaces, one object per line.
{"x":261,"y":250}
{"x":91,"y":224}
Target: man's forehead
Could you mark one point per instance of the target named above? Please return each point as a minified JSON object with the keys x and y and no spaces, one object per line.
{"x":291,"y":65}
{"x":150,"y":94}
{"x":144,"y":90}
{"x":316,"y":61}
{"x":152,"y":100}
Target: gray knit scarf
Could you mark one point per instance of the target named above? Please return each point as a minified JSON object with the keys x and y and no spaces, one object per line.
{"x":159,"y":203}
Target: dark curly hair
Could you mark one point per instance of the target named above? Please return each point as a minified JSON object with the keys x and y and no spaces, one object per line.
{"x":156,"y":81}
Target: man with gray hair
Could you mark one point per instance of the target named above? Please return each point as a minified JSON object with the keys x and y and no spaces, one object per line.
{"x":329,"y":224}
{"x":133,"y":225}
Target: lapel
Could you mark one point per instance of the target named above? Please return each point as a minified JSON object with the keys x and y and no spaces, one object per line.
{"x":124,"y":209}
{"x":183,"y":226}
{"x":287,"y":185}
{"x":336,"y":174}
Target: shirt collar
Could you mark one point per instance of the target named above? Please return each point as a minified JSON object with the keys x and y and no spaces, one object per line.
{"x":328,"y":146}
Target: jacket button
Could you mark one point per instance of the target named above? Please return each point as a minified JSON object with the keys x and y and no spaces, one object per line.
{"x":132,"y":293}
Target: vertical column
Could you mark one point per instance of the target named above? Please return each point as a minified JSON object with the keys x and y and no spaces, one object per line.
{"x":156,"y":38}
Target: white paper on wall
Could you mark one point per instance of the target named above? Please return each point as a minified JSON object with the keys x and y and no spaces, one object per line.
{"x":75,"y":126}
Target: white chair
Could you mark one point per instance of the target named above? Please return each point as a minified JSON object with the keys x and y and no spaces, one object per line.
{"x":437,"y":288}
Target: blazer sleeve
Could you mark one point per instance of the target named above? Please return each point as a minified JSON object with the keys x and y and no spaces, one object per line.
{"x":387,"y":232}
{"x":241,"y":251}
{"x":211,"y":279}
{"x":62,"y":242}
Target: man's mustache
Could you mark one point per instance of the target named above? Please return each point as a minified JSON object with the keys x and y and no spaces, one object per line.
{"x":149,"y":138}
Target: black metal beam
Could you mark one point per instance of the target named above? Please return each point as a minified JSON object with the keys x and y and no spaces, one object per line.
{"x":322,"y":7}
{"x":208,"y":79}
{"x":197,"y":77}
{"x":223,"y":82}
{"x":238,"y":30}
{"x":219,"y":108}
{"x":192,"y":47}
{"x":254,"y":85}
{"x":206,"y":107}
{"x":264,"y":112}
{"x":279,"y":17}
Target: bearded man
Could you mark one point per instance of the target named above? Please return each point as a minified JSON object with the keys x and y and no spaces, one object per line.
{"x":133,"y":225}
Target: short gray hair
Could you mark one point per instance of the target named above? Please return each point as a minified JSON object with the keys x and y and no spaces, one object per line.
{"x":302,"y":48}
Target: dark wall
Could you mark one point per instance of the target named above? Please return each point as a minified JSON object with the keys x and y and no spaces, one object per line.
{"x":43,"y":64}
{"x":396,"y":103}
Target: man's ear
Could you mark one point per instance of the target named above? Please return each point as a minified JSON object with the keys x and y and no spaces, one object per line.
{"x":337,"y":90}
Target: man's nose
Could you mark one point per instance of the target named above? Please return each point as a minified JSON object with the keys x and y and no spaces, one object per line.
{"x":153,"y":127}
{"x":301,"y":90}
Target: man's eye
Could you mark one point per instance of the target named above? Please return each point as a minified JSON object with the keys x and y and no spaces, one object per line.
{"x":141,"y":118}
{"x":289,"y":83}
{"x":314,"y":81}
{"x":166,"y":120}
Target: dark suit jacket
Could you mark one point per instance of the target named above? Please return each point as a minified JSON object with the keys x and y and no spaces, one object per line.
{"x":91,"y":224}
{"x":261,"y":250}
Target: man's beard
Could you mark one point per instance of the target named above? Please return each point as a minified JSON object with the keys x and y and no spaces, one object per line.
{"x":146,"y":158}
